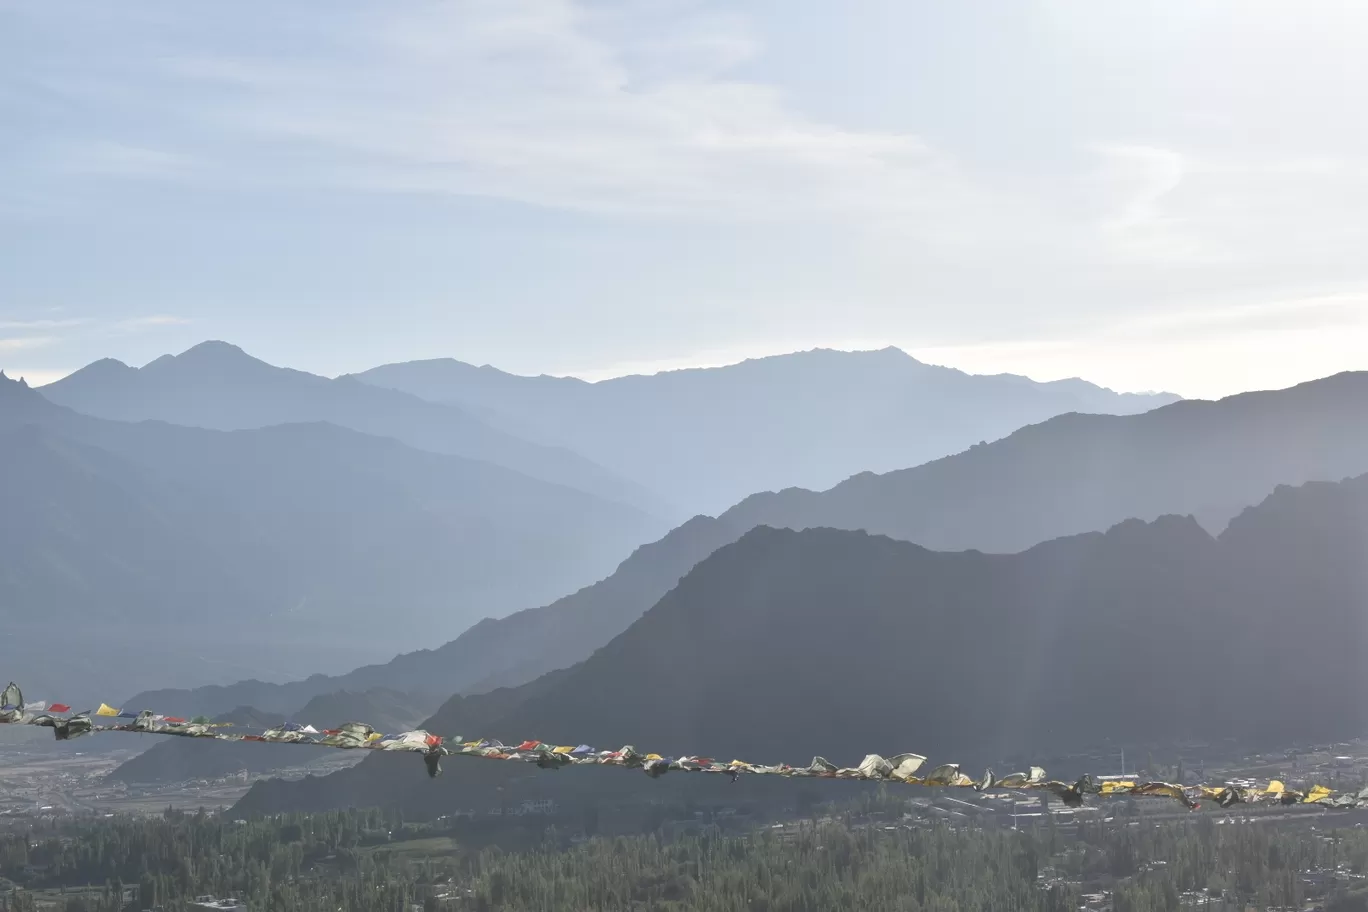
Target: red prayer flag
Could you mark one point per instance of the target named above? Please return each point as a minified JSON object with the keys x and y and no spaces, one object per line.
{"x":175,"y":720}
{"x":59,"y":708}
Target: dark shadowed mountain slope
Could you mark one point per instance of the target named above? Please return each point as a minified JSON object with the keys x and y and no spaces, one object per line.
{"x":267,"y":549}
{"x":495,"y":652}
{"x":1079,"y":473}
{"x":715,"y":435}
{"x":789,"y":644}
{"x":178,"y":759}
{"x":219,"y":386}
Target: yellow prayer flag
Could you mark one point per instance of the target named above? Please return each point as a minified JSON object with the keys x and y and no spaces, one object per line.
{"x":106,"y":710}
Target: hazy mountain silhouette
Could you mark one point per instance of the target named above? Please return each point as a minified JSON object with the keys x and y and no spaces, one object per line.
{"x":1078,"y":473}
{"x":178,"y":759}
{"x":219,"y":386}
{"x":1071,"y":474}
{"x":788,"y":644}
{"x":711,"y":436}
{"x":493,"y":653}
{"x":292,"y":548}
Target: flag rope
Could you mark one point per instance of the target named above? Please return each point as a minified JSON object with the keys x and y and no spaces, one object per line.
{"x":900,"y":768}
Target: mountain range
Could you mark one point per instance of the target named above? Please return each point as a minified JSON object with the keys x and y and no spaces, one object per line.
{"x":788,"y":644}
{"x":707,"y":437}
{"x":289,"y":549}
{"x":689,"y":441}
{"x":1068,"y":475}
{"x":213,"y":485}
{"x":218,"y":386}
{"x":1078,"y":473}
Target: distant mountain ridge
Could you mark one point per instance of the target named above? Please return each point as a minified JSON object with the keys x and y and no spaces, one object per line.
{"x":716,"y":435}
{"x":1069,"y":475}
{"x":293,"y":548}
{"x":787,"y":644}
{"x":218,"y":386}
{"x":1077,"y":473}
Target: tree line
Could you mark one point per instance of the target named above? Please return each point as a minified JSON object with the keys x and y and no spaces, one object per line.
{"x":862,"y":855}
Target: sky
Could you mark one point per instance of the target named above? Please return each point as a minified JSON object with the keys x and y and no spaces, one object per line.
{"x":1152,"y":194}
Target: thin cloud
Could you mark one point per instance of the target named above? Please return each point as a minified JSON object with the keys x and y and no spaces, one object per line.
{"x":538,"y":102}
{"x":1305,"y":313}
{"x":41,"y":333}
{"x":39,"y":325}
{"x":1212,"y":352}
{"x":152,"y":322}
{"x":645,"y":109}
{"x":24,"y":343}
{"x":116,"y":159}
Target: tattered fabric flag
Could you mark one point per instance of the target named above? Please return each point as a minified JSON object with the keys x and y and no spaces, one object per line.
{"x":947,"y":774}
{"x":106,"y":710}
{"x":1021,"y":780}
{"x":905,"y":766}
{"x":821,"y":766}
{"x":1164,"y":790}
{"x":1230,"y":795}
{"x":64,"y":729}
{"x":1071,"y":795}
{"x":11,"y":704}
{"x":432,"y":759}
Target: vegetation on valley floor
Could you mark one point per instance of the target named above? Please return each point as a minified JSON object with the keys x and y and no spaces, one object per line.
{"x":863,"y":856}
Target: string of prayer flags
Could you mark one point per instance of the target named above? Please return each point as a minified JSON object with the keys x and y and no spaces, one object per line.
{"x":901,"y":768}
